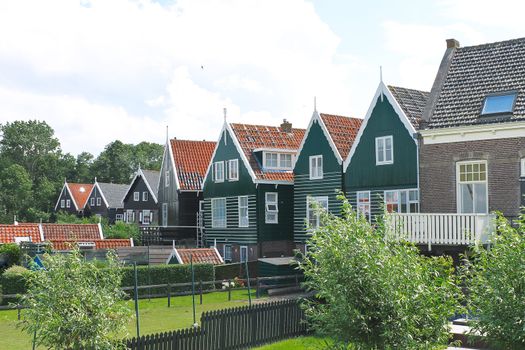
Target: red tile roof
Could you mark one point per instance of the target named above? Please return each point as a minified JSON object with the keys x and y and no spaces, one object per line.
{"x":80,"y":193}
{"x":343,"y":131}
{"x":191,"y":162}
{"x":9,"y":232}
{"x":200,"y":256}
{"x":251,"y":137}
{"x":78,"y":232}
{"x":99,"y":243}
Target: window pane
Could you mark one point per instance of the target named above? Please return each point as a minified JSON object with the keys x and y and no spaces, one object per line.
{"x":380,"y":150}
{"x":499,"y":104}
{"x":480,"y":195}
{"x":286,"y":160}
{"x":388,"y":149}
{"x":466,"y":198}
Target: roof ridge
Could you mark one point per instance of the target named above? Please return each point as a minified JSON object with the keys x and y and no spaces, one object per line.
{"x":504,"y":42}
{"x":405,"y":88}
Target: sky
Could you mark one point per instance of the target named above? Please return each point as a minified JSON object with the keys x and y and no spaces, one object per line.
{"x":101,"y":70}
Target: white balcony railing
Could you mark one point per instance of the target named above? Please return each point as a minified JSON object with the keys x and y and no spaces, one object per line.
{"x":441,"y":229}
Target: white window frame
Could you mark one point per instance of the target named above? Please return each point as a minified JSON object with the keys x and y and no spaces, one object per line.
{"x":268,"y":209}
{"x":281,"y":156}
{"x":233,"y":170}
{"x":399,"y":203}
{"x":522,"y":167}
{"x":167,"y":178}
{"x":245,"y":248}
{"x":316,"y":170}
{"x":92,"y":201}
{"x":119,"y":217}
{"x":382,"y":140}
{"x":62,"y":203}
{"x":244,"y":220}
{"x":136,"y":196}
{"x":68,"y":203}
{"x":99,"y":201}
{"x":216,"y":173}
{"x":164,"y":214}
{"x":218,"y":222}
{"x":267,"y":155}
{"x":146,"y":214}
{"x":459,"y":203}
{"x":361,"y":206}
{"x":227,"y":252}
{"x":321,"y":200}
{"x":279,"y":161}
{"x":145,"y":196}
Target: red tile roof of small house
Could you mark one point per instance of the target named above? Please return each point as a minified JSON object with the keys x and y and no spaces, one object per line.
{"x":9,"y":232}
{"x":252,"y":137}
{"x":200,"y":256}
{"x":75,"y":232}
{"x":343,"y":131}
{"x":99,"y":243}
{"x":80,"y":193}
{"x":191,"y":160}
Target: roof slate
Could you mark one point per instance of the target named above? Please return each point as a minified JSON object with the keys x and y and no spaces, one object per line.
{"x":200,"y":256}
{"x":80,"y":193}
{"x":191,"y":160}
{"x":474,"y":73}
{"x":343,"y":131}
{"x":251,"y":137}
{"x":72,"y":232}
{"x":9,"y":232}
{"x":153,"y":178}
{"x":412,"y":102}
{"x":113,"y":193}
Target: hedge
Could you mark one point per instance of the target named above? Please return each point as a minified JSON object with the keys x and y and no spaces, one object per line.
{"x":13,"y":284}
{"x":230,"y":271}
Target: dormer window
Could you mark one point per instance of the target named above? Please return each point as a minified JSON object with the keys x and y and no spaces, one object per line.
{"x":279,"y":161}
{"x":499,"y":103}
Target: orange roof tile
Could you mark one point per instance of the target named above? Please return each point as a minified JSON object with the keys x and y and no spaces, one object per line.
{"x":9,"y":232}
{"x":99,"y":243}
{"x":191,"y":161}
{"x":200,"y":256}
{"x":73,"y":232}
{"x":251,"y":137}
{"x":80,"y":193}
{"x":343,"y":131}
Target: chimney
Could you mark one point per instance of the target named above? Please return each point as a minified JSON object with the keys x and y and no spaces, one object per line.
{"x":286,"y":126}
{"x":452,"y":44}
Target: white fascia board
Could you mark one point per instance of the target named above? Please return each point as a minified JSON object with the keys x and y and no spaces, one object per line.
{"x":72,"y":198}
{"x":60,"y":196}
{"x":473,"y":133}
{"x":273,"y":182}
{"x":172,"y":162}
{"x":218,"y":254}
{"x":148,"y":186}
{"x":330,"y":140}
{"x":381,"y":89}
{"x":129,"y":187}
{"x":100,"y":230}
{"x":177,"y":256}
{"x":276,"y":150}
{"x":95,"y":185}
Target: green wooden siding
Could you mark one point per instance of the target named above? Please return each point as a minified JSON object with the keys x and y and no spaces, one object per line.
{"x":283,"y":230}
{"x":376,"y":199}
{"x":331,"y":183}
{"x":363,"y":173}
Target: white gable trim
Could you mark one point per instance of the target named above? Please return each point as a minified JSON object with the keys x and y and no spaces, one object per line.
{"x":141,"y":174}
{"x":99,"y":225}
{"x":70,"y":194}
{"x":60,"y":196}
{"x":218,"y":254}
{"x":381,"y":89}
{"x":177,"y":256}
{"x":101,"y":193}
{"x":172,"y":162}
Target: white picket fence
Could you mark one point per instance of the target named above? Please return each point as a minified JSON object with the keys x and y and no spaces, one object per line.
{"x":441,"y":229}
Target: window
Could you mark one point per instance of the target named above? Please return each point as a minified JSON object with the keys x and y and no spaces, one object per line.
{"x":243,"y":212}
{"x":167,"y":178}
{"x":384,"y":150}
{"x":218,"y":212}
{"x":233,"y":170}
{"x":136,"y":196}
{"x":146,"y":217}
{"x":523,"y":167}
{"x":118,"y":217}
{"x":316,"y":167}
{"x":227,"y":253}
{"x":164,"y":214}
{"x":402,"y":201}
{"x":472,"y":187}
{"x":499,"y":103}
{"x":271,"y":160}
{"x":312,"y":212}
{"x":145,"y":196}
{"x":99,"y":201}
{"x":92,"y":202}
{"x":68,"y":203}
{"x":62,"y":203}
{"x":392,"y":201}
{"x":274,"y":160}
{"x":363,"y":203}
{"x":272,"y":208}
{"x":244,"y":253}
{"x":129,"y":216}
{"x":285,"y":161}
{"x":218,"y":171}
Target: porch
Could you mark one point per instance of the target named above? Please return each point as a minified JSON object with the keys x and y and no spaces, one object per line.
{"x":441,"y":229}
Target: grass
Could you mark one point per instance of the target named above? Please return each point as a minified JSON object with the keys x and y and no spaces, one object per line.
{"x":296,"y":344}
{"x":155,"y":316}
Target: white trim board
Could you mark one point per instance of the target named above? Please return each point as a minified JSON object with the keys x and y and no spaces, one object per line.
{"x":137,"y":174}
{"x":473,"y":133}
{"x":381,"y":89}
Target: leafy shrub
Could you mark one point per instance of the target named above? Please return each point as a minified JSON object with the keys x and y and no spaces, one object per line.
{"x":376,"y":293}
{"x":495,"y":280}
{"x":10,"y":254}
{"x":122,"y":229}
{"x":14,"y":281}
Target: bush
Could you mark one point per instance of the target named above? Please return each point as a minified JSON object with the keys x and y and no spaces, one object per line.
{"x":122,"y":230}
{"x":495,"y":281}
{"x":10,"y":254}
{"x":14,"y":281}
{"x":230,"y":271}
{"x":376,"y":293}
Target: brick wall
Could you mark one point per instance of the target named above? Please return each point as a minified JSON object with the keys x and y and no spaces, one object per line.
{"x":437,"y":173}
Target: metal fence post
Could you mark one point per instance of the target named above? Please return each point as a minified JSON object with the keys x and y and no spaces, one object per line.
{"x":229,"y":290}
{"x":200,"y":291}
{"x":169,"y":295}
{"x":136,"y":300}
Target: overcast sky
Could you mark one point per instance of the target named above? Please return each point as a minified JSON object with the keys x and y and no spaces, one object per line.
{"x":102,"y":70}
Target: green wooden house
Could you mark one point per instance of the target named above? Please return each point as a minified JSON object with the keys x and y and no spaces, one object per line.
{"x":381,"y":170}
{"x":318,"y":171}
{"x":248,"y":191}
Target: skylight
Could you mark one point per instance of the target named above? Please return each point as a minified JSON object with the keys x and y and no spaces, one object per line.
{"x":501,"y":103}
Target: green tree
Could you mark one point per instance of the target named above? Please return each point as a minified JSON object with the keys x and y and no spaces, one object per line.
{"x":114,"y":164}
{"x":16,"y":192}
{"x":83,"y":165}
{"x":495,"y":280}
{"x":148,"y":156}
{"x":375,"y":293}
{"x":75,"y":305}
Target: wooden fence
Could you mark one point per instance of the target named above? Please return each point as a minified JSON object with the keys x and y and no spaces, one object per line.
{"x":235,"y":328}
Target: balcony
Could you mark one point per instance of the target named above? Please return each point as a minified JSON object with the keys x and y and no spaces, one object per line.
{"x":441,"y":229}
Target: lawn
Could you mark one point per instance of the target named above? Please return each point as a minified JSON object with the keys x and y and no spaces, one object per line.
{"x":155,"y":316}
{"x":296,"y":344}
